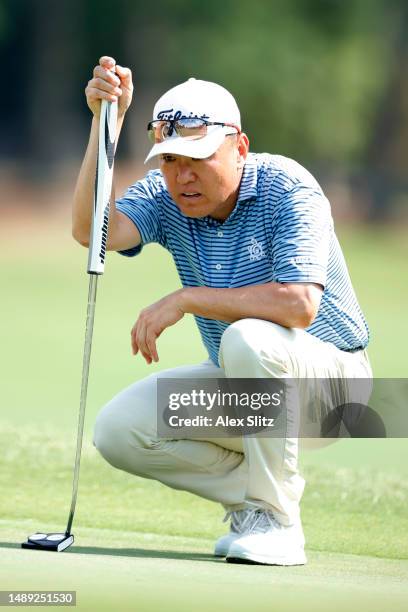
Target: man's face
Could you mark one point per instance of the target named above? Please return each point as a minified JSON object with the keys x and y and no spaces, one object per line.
{"x":206,"y":187}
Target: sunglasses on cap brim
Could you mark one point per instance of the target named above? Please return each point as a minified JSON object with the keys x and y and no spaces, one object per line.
{"x":186,"y":127}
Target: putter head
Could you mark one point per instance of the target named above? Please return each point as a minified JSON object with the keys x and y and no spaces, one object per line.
{"x":49,"y":541}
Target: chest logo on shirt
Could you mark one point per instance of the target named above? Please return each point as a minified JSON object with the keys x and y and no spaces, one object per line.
{"x":256,"y":251}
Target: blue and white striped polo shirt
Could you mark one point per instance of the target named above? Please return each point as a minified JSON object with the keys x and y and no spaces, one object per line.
{"x":280,"y":230}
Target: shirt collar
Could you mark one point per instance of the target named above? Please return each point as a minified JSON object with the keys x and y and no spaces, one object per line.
{"x":247,"y":191}
{"x":248,"y":187}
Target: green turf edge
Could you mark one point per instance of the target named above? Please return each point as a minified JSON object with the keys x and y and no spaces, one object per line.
{"x":119,"y":570}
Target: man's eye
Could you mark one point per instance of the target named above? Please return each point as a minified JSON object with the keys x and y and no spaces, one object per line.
{"x":168,"y":158}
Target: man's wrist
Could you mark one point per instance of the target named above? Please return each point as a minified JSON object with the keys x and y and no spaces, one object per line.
{"x":185,"y":299}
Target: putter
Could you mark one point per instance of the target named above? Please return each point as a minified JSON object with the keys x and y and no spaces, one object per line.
{"x":96,"y":264}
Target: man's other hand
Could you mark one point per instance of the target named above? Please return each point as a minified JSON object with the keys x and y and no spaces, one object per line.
{"x":152,"y":321}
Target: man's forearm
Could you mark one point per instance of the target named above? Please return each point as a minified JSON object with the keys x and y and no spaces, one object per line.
{"x":288,"y":304}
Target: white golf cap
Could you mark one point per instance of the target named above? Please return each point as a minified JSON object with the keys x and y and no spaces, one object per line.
{"x":198,"y":99}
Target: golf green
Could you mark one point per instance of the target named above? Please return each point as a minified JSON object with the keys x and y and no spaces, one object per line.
{"x":118,"y":570}
{"x":139,"y":545}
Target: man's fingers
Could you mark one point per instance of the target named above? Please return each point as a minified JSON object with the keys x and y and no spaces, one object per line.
{"x":135,"y":348}
{"x":125,"y":75}
{"x":151,"y":345}
{"x":94,"y":94}
{"x":103,"y":85}
{"x":112,"y":83}
{"x":133,"y":341}
{"x":107,"y":61}
{"x":106,"y":75}
{"x":140,"y":335}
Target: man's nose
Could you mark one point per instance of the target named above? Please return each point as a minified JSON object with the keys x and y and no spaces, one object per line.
{"x":185,"y":173}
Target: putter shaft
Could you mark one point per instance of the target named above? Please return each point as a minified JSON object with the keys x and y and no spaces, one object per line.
{"x":93,"y":283}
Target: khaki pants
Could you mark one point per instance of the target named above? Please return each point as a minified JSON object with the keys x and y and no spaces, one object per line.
{"x":233,"y":471}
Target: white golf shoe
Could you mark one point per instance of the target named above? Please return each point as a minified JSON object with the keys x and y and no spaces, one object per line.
{"x":268,"y":542}
{"x":237,"y":529}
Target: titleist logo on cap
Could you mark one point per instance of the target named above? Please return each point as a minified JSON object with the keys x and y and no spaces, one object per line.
{"x":171,"y":114}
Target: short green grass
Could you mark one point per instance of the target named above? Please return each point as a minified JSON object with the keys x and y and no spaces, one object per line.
{"x":356,"y":509}
{"x":138,"y":544}
{"x":119,"y":570}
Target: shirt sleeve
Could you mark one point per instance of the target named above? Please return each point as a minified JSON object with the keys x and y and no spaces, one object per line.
{"x":141,"y":203}
{"x":301,"y":236}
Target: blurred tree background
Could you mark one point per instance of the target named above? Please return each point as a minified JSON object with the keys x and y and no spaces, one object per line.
{"x":322,"y":81}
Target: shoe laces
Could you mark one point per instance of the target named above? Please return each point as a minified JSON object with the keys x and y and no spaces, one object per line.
{"x":259,"y":520}
{"x":237,"y":518}
{"x":250,"y":520}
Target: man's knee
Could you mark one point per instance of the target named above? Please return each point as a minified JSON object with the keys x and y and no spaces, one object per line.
{"x":249,"y":345}
{"x":121,"y":438}
{"x":109,"y":435}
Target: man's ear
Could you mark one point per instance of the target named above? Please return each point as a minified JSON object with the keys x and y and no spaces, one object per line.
{"x":242,"y":148}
